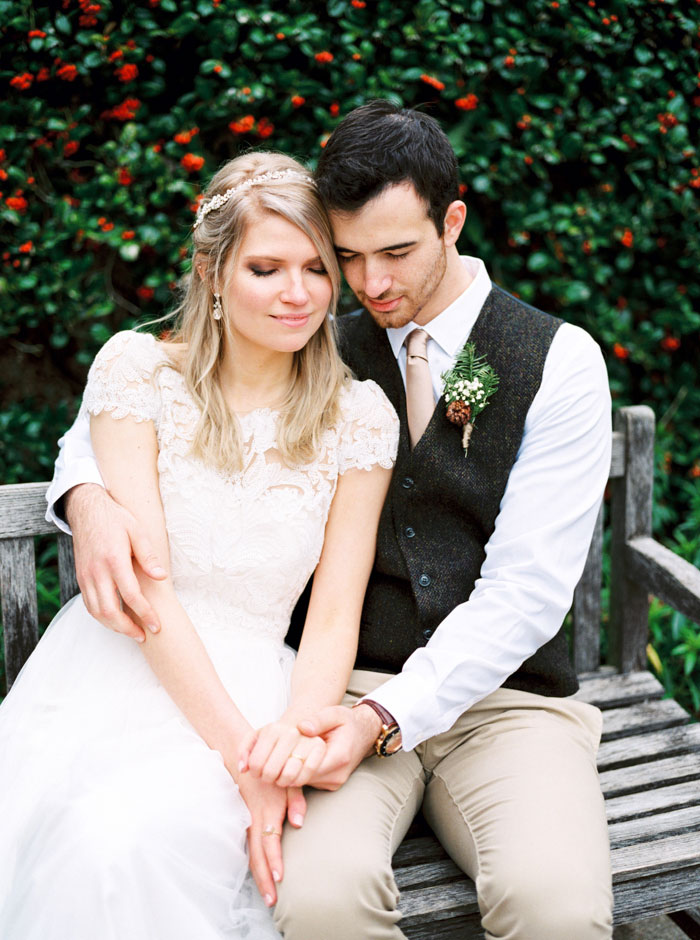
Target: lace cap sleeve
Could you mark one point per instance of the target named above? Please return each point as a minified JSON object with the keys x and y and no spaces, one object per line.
{"x":120,"y":380}
{"x":370,"y":433}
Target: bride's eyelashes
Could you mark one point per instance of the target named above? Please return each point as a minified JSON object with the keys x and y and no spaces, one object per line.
{"x":260,"y":272}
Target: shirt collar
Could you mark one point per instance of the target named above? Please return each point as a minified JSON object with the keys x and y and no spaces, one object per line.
{"x":450,"y":329}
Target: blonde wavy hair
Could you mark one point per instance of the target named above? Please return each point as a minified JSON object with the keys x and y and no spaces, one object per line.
{"x":311,"y":403}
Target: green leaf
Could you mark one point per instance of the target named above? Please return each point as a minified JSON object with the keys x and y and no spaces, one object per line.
{"x":62,"y":23}
{"x":539,"y":261}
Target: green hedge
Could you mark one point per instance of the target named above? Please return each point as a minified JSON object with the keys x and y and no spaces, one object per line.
{"x":575,"y":124}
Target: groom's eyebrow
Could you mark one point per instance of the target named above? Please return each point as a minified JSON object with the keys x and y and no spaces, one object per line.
{"x":379,"y":251}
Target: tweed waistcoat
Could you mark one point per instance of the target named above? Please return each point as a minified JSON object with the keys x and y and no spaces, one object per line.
{"x":442,"y":506}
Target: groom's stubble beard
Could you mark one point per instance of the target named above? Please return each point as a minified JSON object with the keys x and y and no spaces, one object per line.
{"x":415,"y":299}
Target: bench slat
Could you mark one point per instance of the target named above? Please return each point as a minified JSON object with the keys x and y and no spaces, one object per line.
{"x":648,"y":802}
{"x":648,"y":858}
{"x":614,"y":690}
{"x":22,"y":508}
{"x":642,"y":717}
{"x":586,"y":610}
{"x":66,"y":568}
{"x":620,"y":752}
{"x":20,"y":614}
{"x":656,"y":826}
{"x":665,"y":574}
{"x":425,"y":904}
{"x":667,"y":891}
{"x":652,"y":774}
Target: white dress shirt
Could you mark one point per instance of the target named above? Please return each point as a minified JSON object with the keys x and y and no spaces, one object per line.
{"x":538,"y":548}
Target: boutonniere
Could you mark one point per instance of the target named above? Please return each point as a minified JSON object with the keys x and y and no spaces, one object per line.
{"x":468,"y":386}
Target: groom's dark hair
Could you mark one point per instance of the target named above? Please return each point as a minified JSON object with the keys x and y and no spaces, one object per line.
{"x":378,"y":145}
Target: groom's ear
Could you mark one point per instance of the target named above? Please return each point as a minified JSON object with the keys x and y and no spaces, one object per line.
{"x":454,"y":222}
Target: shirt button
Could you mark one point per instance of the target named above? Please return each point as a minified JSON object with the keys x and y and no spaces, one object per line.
{"x":407,"y":483}
{"x":409,"y":532}
{"x":424,"y":580}
{"x":427,"y":633}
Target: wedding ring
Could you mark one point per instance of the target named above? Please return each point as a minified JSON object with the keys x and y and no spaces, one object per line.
{"x":271,"y":831}
{"x":298,"y":757}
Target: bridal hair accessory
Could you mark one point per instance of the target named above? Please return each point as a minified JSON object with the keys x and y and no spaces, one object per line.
{"x":220,"y":199}
{"x":218,"y":309}
{"x":468,"y":386}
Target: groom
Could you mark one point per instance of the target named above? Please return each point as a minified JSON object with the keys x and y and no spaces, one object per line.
{"x":462,"y":675}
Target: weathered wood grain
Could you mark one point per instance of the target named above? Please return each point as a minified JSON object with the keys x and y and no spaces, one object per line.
{"x":586,"y":610}
{"x":638,"y":748}
{"x":617,"y":456}
{"x":665,"y":574}
{"x":650,"y":774}
{"x":454,"y":928}
{"x":638,"y":898}
{"x":648,"y":858}
{"x":613,"y":690}
{"x":657,"y":826}
{"x":431,"y":873}
{"x":20,"y":615}
{"x":66,"y":568}
{"x":22,"y":508}
{"x":427,"y":904}
{"x":630,"y":519}
{"x":647,"y":802}
{"x":642,"y":717}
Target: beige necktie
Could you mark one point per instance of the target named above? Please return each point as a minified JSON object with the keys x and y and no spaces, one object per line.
{"x":420,"y":402}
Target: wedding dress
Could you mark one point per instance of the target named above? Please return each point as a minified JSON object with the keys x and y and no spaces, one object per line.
{"x":116,"y":819}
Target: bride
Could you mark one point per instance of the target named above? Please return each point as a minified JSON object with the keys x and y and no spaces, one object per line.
{"x":254,"y":459}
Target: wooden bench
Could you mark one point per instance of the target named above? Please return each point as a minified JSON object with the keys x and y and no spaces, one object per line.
{"x":649,"y":759}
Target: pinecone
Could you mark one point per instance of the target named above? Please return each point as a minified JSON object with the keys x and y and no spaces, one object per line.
{"x":459,"y":413}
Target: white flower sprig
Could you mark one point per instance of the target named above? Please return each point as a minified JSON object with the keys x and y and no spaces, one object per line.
{"x":468,"y":386}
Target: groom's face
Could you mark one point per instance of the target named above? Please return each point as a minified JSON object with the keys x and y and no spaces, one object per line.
{"x":392,"y":256}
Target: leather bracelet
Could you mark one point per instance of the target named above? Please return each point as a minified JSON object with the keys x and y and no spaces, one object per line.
{"x":389,"y":740}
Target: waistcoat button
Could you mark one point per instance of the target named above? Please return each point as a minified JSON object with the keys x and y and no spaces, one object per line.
{"x":427,"y":633}
{"x":407,"y":483}
{"x":424,"y":580}
{"x":409,"y":532}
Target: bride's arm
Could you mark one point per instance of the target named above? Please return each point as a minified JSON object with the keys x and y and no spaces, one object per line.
{"x":127,"y":452}
{"x":329,"y":641}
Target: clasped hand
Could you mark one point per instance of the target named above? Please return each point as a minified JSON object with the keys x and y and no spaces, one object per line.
{"x":279,"y":753}
{"x":321,"y":752}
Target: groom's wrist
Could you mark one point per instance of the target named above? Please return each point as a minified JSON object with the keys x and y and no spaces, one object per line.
{"x":369,"y":727}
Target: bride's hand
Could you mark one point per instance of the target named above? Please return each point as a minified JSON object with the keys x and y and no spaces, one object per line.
{"x":268,"y":806}
{"x":278,"y":753}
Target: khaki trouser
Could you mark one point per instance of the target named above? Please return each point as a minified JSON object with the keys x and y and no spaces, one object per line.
{"x":511,"y":791}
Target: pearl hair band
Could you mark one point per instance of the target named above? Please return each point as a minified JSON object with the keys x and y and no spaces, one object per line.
{"x":220,"y":199}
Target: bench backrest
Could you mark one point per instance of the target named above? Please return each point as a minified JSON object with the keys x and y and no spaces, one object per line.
{"x":22,"y":508}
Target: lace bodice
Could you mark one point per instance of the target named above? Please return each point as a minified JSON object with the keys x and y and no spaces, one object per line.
{"x":243,"y":546}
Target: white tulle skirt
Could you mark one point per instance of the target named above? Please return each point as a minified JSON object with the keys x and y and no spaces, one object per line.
{"x":117,"y":822}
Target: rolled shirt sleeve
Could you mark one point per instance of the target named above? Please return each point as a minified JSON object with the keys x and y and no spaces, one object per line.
{"x":75,"y":464}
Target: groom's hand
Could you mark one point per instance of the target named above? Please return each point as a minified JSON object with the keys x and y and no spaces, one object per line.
{"x":106,"y":540}
{"x":349,"y":734}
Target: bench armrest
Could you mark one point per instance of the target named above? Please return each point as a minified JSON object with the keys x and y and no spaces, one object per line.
{"x":665,"y":574}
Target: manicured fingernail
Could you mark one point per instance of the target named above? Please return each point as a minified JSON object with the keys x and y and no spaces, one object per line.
{"x":242,"y":766}
{"x":268,"y":900}
{"x":276,"y":876}
{"x":153,"y":628}
{"x":158,"y":571}
{"x":298,"y":819}
{"x":140,"y":638}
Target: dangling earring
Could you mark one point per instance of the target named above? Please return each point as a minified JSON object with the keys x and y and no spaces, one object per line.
{"x":218,"y":309}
